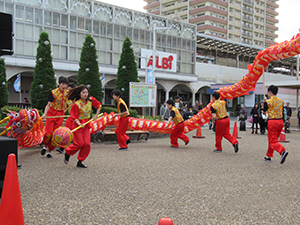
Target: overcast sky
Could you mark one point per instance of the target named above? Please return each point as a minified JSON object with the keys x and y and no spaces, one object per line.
{"x":289,"y":11}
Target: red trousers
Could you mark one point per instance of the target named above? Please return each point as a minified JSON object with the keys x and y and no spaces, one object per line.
{"x":51,"y":126}
{"x":274,"y":130}
{"x":81,"y":143}
{"x":222,"y":130}
{"x":69,"y":123}
{"x":121,"y":132}
{"x":176,"y":133}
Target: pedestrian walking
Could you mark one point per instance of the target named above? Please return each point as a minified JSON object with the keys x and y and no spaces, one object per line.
{"x":254,"y":114}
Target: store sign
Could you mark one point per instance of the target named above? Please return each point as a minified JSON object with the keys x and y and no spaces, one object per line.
{"x":164,"y":61}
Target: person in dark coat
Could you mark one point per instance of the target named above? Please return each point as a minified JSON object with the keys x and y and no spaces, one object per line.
{"x":262,"y":119}
{"x":243,"y":118}
{"x":254,"y":114}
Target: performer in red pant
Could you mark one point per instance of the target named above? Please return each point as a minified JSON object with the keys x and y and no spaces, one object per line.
{"x":122,"y":138}
{"x":222,"y":125}
{"x":177,"y":132}
{"x":80,"y":113}
{"x":57,"y":104}
{"x":274,"y":106}
{"x":69,"y":121}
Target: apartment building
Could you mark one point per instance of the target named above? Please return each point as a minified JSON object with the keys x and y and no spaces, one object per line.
{"x":251,"y":22}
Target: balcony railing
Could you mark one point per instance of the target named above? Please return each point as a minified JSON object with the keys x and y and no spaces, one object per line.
{"x":248,"y":10}
{"x":247,"y":26}
{"x":247,"y":35}
{"x":248,"y":2}
{"x":248,"y":18}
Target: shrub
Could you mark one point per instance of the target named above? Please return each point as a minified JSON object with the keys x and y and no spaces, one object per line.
{"x":108,"y":110}
{"x":4,"y":110}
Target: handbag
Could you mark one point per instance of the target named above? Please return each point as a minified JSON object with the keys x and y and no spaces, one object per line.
{"x":264,"y":116}
{"x":251,"y":119}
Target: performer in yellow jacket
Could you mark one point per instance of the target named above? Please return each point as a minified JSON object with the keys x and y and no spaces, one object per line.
{"x":222,"y":125}
{"x":177,"y":132}
{"x":57,"y":104}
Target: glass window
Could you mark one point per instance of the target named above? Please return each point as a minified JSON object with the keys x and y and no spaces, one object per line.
{"x":38,"y":16}
{"x":72,"y":55}
{"x":19,"y":48}
{"x":80,"y":24}
{"x":56,"y":36}
{"x":116,"y":59}
{"x":72,"y":23}
{"x":163,"y":40}
{"x":56,"y":19}
{"x":169,"y":41}
{"x":28,"y":31}
{"x":9,"y":8}
{"x":56,"y":51}
{"x":49,"y":31}
{"x":79,"y":53}
{"x":103,"y":28}
{"x":129,"y":32}
{"x":96,"y":27}
{"x":109,"y":58}
{"x":178,"y":42}
{"x":117,"y":31}
{"x":19,"y":12}
{"x":37,"y":32}
{"x":109,"y":29}
{"x":64,"y":52}
{"x":123,"y":32}
{"x":142,"y":36}
{"x":102,"y":58}
{"x":102,"y":43}
{"x":64,"y":21}
{"x":28,"y":47}
{"x":96,"y":39}
{"x":147,"y":35}
{"x":109,"y":44}
{"x":80,"y":39}
{"x":1,"y":7}
{"x":47,"y":18}
{"x":88,"y":25}
{"x":19,"y":30}
{"x":29,"y":15}
{"x":64,"y":37}
{"x":72,"y":39}
{"x":158,"y":39}
{"x":116,"y":45}
{"x":135,"y":35}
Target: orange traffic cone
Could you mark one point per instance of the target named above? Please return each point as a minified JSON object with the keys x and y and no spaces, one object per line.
{"x":165,"y":221}
{"x":11,"y":211}
{"x":235,"y":131}
{"x":282,"y":136}
{"x":199,"y":133}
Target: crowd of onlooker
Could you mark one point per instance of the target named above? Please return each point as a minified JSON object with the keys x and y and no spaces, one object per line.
{"x":185,"y":110}
{"x":256,"y":117}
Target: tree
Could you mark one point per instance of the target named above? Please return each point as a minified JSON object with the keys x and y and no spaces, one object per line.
{"x":88,"y":73}
{"x":127,"y":70}
{"x":43,"y":75}
{"x":3,"y":84}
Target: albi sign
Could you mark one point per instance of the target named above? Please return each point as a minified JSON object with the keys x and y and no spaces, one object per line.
{"x":165,"y":61}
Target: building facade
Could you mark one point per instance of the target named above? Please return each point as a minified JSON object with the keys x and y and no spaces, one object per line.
{"x":251,"y":22}
{"x":68,"y":21}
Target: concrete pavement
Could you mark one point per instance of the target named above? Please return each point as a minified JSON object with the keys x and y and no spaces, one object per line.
{"x":191,"y":184}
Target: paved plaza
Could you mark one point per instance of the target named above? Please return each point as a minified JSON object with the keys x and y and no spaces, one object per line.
{"x":191,"y":184}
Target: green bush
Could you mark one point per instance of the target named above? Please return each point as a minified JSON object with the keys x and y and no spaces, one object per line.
{"x":4,"y":110}
{"x":133,"y":113}
{"x":108,"y":110}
